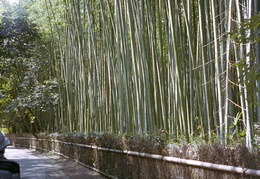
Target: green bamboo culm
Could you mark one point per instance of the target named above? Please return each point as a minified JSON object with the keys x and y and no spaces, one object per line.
{"x":140,"y":66}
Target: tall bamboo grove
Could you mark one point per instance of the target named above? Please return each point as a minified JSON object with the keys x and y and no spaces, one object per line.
{"x":145,"y":66}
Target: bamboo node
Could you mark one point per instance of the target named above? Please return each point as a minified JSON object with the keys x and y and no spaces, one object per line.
{"x":244,"y":171}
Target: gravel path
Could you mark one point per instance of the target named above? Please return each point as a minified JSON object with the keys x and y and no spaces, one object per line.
{"x":34,"y":165}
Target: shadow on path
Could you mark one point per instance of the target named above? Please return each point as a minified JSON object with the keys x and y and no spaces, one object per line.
{"x":38,"y":166}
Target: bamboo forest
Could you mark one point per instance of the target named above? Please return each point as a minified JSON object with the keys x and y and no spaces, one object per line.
{"x":187,"y":69}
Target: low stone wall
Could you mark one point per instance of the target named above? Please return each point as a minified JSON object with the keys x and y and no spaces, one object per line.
{"x":116,"y":163}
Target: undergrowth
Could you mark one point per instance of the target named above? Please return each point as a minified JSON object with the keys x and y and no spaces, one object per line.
{"x":235,"y":154}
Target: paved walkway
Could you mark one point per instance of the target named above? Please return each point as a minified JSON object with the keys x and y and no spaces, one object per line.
{"x":34,"y":165}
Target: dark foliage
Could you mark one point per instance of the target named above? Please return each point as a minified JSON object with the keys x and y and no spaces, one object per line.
{"x":17,"y":35}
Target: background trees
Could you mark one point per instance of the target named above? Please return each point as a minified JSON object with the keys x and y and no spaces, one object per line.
{"x":184,"y":68}
{"x":27,"y":86}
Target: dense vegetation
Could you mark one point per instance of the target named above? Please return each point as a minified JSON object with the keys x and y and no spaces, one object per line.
{"x":184,"y":69}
